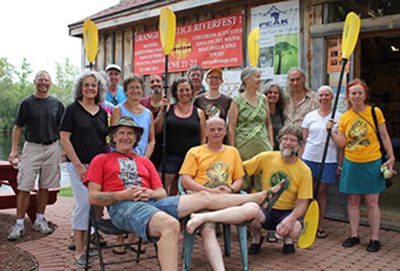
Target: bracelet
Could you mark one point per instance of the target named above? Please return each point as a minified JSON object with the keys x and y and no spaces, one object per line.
{"x":339,"y":168}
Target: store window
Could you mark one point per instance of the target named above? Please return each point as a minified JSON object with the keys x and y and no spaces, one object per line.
{"x":364,"y":8}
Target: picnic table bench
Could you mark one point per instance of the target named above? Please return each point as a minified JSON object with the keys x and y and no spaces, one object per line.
{"x":8,"y":176}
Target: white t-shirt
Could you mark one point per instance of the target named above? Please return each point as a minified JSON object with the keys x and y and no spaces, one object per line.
{"x":315,"y":143}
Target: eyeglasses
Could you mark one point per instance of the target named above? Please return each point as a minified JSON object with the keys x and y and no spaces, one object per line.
{"x":214,"y":77}
{"x":290,"y":139}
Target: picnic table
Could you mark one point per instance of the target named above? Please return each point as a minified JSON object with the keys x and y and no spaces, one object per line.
{"x":8,"y":176}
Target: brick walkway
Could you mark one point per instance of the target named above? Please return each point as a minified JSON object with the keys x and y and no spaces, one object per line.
{"x":326,"y":254}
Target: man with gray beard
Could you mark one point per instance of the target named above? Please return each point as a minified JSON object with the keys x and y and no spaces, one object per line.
{"x":285,"y":217}
{"x":153,"y":103}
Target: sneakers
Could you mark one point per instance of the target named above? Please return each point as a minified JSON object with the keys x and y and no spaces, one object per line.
{"x":373,"y":246}
{"x":42,"y":226}
{"x":288,"y":249}
{"x":351,"y":241}
{"x":16,"y":232}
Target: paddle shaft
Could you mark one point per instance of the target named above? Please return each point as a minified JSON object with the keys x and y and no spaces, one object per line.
{"x":328,"y":136}
{"x":164,"y":143}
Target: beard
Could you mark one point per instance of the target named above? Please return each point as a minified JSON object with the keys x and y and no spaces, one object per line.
{"x":288,"y":152}
{"x":156,"y":90}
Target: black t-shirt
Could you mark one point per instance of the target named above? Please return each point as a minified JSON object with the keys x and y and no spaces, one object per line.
{"x":88,"y":132}
{"x":41,"y":118}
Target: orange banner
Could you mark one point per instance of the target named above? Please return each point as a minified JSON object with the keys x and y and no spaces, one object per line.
{"x":212,"y":43}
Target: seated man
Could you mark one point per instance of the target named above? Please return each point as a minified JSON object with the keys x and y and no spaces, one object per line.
{"x":215,"y":168}
{"x":274,"y":166}
{"x":131,"y":188}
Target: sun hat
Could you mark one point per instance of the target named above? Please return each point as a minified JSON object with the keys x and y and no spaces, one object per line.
{"x":125,"y":121}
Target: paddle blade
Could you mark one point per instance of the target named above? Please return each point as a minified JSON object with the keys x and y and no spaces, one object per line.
{"x":254,"y":46}
{"x":167,"y":30}
{"x":311,"y":219}
{"x":350,"y":34}
{"x":90,"y":39}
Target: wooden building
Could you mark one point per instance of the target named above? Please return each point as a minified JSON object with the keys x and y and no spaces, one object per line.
{"x":376,"y":58}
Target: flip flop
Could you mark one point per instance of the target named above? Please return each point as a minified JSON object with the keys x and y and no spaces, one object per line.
{"x":142,"y":251}
{"x":119,"y":252}
{"x":321,"y":234}
{"x":272,"y":197}
{"x":271,"y":237}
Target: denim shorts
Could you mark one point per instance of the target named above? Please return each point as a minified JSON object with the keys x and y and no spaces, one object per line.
{"x":133,"y":216}
{"x":329,"y":174}
{"x":275,"y":216}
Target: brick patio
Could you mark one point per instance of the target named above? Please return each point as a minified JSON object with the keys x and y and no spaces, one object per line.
{"x":326,"y":254}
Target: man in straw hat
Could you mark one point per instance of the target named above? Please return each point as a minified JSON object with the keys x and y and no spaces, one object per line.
{"x":130,"y":187}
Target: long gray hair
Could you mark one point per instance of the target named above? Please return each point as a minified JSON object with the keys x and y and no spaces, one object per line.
{"x":101,"y":86}
{"x":246,"y":73}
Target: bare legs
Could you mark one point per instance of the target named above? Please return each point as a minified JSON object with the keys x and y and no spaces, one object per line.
{"x":212,"y":249}
{"x":374,"y":213}
{"x":167,"y":229}
{"x":323,"y":191}
{"x":231,"y":215}
{"x":171,"y":184}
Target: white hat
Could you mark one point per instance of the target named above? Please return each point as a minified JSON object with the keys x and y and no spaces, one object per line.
{"x":113,"y":67}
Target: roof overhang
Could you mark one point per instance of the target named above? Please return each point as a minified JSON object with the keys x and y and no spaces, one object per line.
{"x":138,"y":13}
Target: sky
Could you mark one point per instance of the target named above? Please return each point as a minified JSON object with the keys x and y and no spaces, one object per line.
{"x":38,"y":30}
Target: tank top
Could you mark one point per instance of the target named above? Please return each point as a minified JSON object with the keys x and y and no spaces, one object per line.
{"x":143,"y":120}
{"x":182,"y":133}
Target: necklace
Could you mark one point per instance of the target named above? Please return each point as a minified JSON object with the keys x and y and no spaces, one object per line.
{"x":184,"y":112}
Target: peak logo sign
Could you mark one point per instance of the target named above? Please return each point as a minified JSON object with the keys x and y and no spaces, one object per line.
{"x":275,"y":13}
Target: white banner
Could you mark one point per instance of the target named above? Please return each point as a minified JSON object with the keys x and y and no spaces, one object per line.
{"x":279,"y":38}
{"x":231,"y":83}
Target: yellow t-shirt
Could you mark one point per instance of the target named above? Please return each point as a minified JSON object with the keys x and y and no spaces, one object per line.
{"x":213,"y":169}
{"x":273,"y":170}
{"x":362,"y":143}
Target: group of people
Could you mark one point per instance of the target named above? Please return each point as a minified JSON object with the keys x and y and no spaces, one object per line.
{"x":261,"y":141}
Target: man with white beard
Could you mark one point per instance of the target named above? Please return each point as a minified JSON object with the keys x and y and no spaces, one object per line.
{"x":285,"y":217}
{"x":153,"y":103}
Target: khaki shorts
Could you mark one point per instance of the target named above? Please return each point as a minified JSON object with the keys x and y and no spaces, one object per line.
{"x":39,"y":159}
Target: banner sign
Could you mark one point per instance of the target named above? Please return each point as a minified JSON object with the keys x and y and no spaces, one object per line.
{"x":212,"y":43}
{"x":279,"y":38}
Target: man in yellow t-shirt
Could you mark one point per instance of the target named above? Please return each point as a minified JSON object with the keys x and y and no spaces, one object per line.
{"x":216,"y":168}
{"x":275,"y":166}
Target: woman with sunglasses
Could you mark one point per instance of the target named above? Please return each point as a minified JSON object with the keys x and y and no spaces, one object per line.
{"x":184,"y":130}
{"x":361,"y":174}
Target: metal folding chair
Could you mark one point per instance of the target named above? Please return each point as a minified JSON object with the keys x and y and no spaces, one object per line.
{"x":106,"y":227}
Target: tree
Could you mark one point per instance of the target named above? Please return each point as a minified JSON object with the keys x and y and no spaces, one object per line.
{"x":66,"y":73}
{"x":281,"y":49}
{"x":24,"y":74}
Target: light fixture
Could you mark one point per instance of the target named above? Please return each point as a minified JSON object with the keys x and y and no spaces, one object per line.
{"x":394,"y":49}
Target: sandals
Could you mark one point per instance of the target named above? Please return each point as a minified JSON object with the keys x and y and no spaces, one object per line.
{"x":271,"y":237}
{"x":118,"y":252}
{"x":81,"y":261}
{"x":255,"y":248}
{"x":321,"y":234}
{"x":142,"y":251}
{"x":273,"y":197}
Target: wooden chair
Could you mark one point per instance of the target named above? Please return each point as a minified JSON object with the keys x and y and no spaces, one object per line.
{"x":106,"y":227}
{"x":188,"y":241}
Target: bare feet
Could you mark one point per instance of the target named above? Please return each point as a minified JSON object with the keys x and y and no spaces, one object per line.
{"x":273,"y":194}
{"x":194,"y":222}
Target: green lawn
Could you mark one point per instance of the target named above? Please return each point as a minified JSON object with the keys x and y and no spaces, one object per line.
{"x":66,"y":192}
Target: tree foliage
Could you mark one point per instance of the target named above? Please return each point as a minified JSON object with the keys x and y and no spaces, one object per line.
{"x":12,"y":91}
